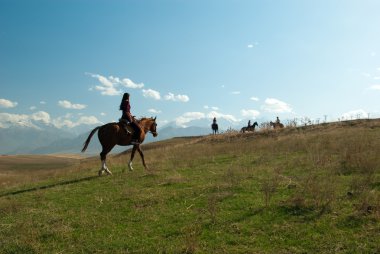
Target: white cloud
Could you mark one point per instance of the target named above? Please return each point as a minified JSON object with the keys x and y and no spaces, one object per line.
{"x":41,"y":116}
{"x":179,"y":97}
{"x":355,"y":114}
{"x":33,"y":108}
{"x":210,"y":107}
{"x":378,"y":69}
{"x":154,"y":111}
{"x":110,"y":91}
{"x":42,"y":102}
{"x":374,"y":87}
{"x":66,"y":121}
{"x":188,"y":117}
{"x":254,"y":98}
{"x":7,"y":120}
{"x":4,"y":103}
{"x":88,"y":120}
{"x":251,"y":113}
{"x":218,"y":115}
{"x":150,"y":93}
{"x":276,"y":106}
{"x":60,"y":123}
{"x":251,"y":45}
{"x":236,"y":92}
{"x":376,"y":78}
{"x":130,"y":84}
{"x":110,"y":86}
{"x":126,"y":82}
{"x":69,"y":105}
{"x":103,"y":114}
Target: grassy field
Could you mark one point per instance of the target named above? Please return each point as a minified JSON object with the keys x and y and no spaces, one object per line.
{"x":314,"y":189}
{"x":23,"y":169}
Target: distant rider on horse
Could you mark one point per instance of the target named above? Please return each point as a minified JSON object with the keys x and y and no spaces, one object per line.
{"x":127,"y":119}
{"x":214,"y":126}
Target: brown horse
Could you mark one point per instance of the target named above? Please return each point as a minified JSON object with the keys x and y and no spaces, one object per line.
{"x":276,"y":125}
{"x":112,"y":134}
{"x":249,"y":128}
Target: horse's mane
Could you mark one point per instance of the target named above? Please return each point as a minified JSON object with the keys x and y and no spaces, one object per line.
{"x":144,"y":118}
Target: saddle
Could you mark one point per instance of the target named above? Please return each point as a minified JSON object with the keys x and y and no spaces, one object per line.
{"x":126,"y":126}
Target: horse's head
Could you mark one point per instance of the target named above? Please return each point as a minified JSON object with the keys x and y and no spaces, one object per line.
{"x":153,"y":127}
{"x":255,"y":124}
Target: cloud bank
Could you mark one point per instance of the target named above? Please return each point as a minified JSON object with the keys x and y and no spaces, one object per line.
{"x":188,"y":117}
{"x":179,"y":97}
{"x":7,"y":120}
{"x":4,"y":103}
{"x":273,"y":105}
{"x":69,"y":105}
{"x":150,"y":93}
{"x":111,"y":86}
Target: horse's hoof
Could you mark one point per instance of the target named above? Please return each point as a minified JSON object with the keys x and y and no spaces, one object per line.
{"x":130,"y":166}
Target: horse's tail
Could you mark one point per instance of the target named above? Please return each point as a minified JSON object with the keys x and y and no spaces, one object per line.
{"x":85,"y":145}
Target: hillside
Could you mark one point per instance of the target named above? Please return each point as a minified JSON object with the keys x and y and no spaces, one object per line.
{"x":313,"y":189}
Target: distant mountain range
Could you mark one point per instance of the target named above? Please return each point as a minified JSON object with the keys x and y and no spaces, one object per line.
{"x":39,"y":138}
{"x":49,"y":140}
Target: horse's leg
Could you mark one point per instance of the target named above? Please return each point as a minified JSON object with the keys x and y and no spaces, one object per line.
{"x":132,"y":155}
{"x":103,"y":156}
{"x":142,"y":157}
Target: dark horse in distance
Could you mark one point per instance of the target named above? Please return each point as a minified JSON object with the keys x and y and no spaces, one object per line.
{"x":249,"y":128}
{"x":214,"y":128}
{"x":112,"y":134}
{"x":276,"y":125}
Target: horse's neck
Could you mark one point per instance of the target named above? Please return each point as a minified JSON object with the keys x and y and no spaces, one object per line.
{"x":145,"y":124}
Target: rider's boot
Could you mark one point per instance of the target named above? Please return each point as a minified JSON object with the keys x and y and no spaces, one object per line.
{"x":126,"y":129}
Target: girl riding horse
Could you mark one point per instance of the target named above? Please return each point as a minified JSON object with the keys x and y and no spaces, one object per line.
{"x":127,"y":118}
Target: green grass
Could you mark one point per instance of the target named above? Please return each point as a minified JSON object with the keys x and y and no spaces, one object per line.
{"x":300,"y":191}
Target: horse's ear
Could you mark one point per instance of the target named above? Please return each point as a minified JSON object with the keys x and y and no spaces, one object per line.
{"x":155,"y":118}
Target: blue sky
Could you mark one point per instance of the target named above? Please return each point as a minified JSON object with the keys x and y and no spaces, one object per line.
{"x":68,"y":62}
